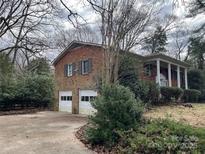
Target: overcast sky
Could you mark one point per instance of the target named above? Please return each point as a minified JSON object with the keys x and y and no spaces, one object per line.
{"x":181,"y":10}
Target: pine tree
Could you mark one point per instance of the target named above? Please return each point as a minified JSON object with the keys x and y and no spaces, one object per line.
{"x":197,"y":51}
{"x":157,"y":42}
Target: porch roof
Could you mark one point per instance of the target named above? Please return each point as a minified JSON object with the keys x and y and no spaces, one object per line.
{"x":165,"y":58}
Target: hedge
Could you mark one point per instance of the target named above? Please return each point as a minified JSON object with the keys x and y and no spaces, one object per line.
{"x":30,"y":91}
{"x":20,"y":103}
{"x":191,"y":95}
{"x":171,"y":92}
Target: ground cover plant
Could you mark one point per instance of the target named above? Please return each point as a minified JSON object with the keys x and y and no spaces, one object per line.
{"x":163,"y":136}
{"x":119,"y":127}
{"x":158,"y":136}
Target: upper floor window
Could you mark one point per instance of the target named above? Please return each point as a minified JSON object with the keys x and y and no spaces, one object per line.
{"x":70,"y":69}
{"x":86,"y":66}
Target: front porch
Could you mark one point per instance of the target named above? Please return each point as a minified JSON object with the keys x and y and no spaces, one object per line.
{"x":165,"y":73}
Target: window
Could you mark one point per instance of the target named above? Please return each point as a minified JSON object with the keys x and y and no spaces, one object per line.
{"x":62,"y":98}
{"x":69,"y":98}
{"x":66,"y":98}
{"x":85,"y":66}
{"x":92,"y":98}
{"x":70,"y":69}
{"x":148,"y":70}
{"x":87,"y":98}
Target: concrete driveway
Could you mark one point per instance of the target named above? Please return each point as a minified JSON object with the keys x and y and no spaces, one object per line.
{"x":41,"y":133}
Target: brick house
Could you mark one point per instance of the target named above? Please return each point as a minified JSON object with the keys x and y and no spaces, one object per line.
{"x":78,"y":69}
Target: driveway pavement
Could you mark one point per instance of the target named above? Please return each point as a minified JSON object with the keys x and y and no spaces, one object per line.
{"x":41,"y":133}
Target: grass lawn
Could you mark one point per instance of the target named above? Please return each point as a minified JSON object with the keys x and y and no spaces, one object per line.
{"x":194,"y":116}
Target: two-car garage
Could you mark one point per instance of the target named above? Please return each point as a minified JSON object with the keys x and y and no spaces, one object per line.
{"x":85,"y":97}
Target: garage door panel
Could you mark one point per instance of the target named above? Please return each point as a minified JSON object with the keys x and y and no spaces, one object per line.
{"x":65,"y":101}
{"x":88,"y":93}
{"x":85,"y":97}
{"x":65,"y":107}
{"x":86,"y":108}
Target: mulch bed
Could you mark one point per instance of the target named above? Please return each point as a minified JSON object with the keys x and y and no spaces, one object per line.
{"x":25,"y":111}
{"x":80,"y":134}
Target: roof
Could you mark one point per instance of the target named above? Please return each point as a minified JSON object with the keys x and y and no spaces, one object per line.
{"x":75,"y":44}
{"x":166,"y":58}
{"x":72,"y":45}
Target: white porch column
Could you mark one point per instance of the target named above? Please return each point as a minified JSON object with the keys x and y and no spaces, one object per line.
{"x":178,"y":77}
{"x":186,"y":81}
{"x":158,"y":72}
{"x":169,"y":75}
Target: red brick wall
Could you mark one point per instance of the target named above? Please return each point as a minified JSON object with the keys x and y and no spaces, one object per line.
{"x":154,"y":74}
{"x":78,"y":81}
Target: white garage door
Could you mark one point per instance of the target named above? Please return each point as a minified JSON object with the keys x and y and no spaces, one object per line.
{"x":65,"y":101}
{"x":85,"y":97}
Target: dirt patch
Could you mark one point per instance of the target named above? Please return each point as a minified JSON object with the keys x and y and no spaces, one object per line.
{"x":194,"y":116}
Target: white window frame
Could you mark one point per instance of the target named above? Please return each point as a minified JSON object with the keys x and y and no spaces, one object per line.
{"x":83,"y":63}
{"x":70,"y":69}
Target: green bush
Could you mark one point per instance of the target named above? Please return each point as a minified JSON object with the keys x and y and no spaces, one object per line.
{"x":171,"y":92}
{"x":196,"y":80}
{"x":147,"y":91}
{"x":7,"y":83}
{"x":35,"y":87}
{"x":163,"y":136}
{"x":128,"y":71}
{"x":32,"y":88}
{"x":29,"y":90}
{"x":117,"y":109}
{"x":202,"y":96}
{"x":191,"y":95}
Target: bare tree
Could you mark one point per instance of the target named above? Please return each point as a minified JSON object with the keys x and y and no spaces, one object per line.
{"x":197,"y":7}
{"x":83,"y":33}
{"x":24,"y":25}
{"x":21,"y":22}
{"x":181,"y":42}
{"x":72,"y":16}
{"x":119,"y":21}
